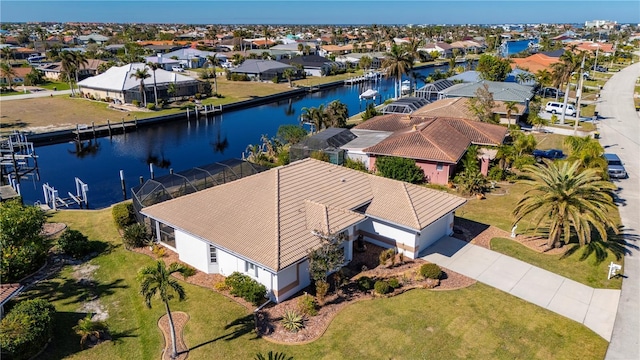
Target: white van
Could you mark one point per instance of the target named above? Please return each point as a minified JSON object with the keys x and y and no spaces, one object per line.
{"x":557,"y":107}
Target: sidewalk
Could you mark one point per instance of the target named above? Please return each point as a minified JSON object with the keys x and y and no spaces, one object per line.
{"x":43,"y":93}
{"x":595,"y":308}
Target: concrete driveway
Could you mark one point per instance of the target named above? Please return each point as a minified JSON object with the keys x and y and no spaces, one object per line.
{"x":619,"y":127}
{"x":595,"y":308}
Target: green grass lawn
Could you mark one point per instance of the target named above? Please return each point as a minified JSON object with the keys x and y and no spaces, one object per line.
{"x":589,"y":271}
{"x":54,"y":84}
{"x":476,"y":322}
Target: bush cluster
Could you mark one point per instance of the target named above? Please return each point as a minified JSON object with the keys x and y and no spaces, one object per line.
{"x":382,"y":287}
{"x":26,"y":329}
{"x":74,"y":243}
{"x":308,"y":305}
{"x":135,"y":236}
{"x":365,"y":283}
{"x":431,"y":271}
{"x":386,"y":255}
{"x":123,"y":214}
{"x":245,"y":287}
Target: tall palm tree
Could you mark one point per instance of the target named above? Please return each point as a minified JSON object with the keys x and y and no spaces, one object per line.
{"x":337,"y":114}
{"x":214,"y":62}
{"x":315,"y":116}
{"x":7,"y":53}
{"x":588,"y":151}
{"x":511,"y":108}
{"x":141,"y":74}
{"x":154,"y":66}
{"x":68,"y":65}
{"x":156,"y":280}
{"x":567,"y":200}
{"x":7,"y":72}
{"x":288,"y":74}
{"x":397,"y":62}
{"x":79,"y":59}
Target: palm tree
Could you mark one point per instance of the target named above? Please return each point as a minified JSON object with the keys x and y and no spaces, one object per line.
{"x":273,"y":356}
{"x":314,"y":116}
{"x":214,"y":62}
{"x":141,"y":74}
{"x":397,"y":62}
{"x":87,"y":329}
{"x":8,"y":73}
{"x":510,"y":107}
{"x":7,"y":53}
{"x":79,"y":59}
{"x":588,"y":151}
{"x":288,"y":74}
{"x":156,"y":280}
{"x":567,"y":200}
{"x":68,"y":64}
{"x":337,"y":114}
{"x":154,"y":66}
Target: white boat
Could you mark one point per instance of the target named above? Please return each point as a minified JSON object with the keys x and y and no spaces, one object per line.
{"x":406,"y":87}
{"x":369,"y":94}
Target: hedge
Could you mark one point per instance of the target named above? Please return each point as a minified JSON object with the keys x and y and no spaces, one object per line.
{"x":26,"y":329}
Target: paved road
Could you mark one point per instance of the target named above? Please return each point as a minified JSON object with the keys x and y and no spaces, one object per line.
{"x":36,"y":94}
{"x":620,"y":133}
{"x":595,"y":308}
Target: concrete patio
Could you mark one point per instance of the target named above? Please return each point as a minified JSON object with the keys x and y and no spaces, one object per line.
{"x":595,"y":308}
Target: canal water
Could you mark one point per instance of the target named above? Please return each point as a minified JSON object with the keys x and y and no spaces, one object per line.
{"x":179,"y":145}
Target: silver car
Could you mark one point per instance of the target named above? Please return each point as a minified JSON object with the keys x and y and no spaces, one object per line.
{"x":615,"y":167}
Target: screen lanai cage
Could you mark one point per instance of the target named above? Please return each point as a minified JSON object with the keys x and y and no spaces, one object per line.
{"x":181,"y":183}
{"x":328,"y":141}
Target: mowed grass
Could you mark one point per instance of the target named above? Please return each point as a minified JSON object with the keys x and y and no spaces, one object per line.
{"x":589,"y":271}
{"x":476,"y":322}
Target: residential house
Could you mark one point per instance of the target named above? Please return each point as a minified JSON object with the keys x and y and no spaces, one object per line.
{"x":18,"y":78}
{"x":192,"y":58}
{"x":445,"y":50}
{"x":327,"y":50}
{"x":92,"y":38}
{"x":90,"y":68}
{"x":262,"y":70}
{"x":534,"y":63}
{"x":328,"y":141}
{"x":501,"y":91}
{"x":354,"y":58}
{"x":164,"y":61}
{"x":265,"y":225}
{"x":313,"y":65}
{"x":118,"y":84}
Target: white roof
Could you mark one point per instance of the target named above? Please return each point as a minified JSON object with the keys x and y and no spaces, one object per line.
{"x":118,"y":78}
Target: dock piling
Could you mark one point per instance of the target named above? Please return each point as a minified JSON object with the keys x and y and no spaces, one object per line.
{"x":122,"y":184}
{"x":141,"y":180}
{"x":109,"y":126}
{"x":93,"y":128}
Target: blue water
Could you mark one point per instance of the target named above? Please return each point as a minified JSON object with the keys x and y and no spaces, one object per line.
{"x":179,"y":145}
{"x":514,"y":47}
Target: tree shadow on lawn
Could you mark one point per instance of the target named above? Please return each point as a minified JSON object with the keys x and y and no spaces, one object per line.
{"x":239,"y":327}
{"x":74,"y":291}
{"x":617,"y":244}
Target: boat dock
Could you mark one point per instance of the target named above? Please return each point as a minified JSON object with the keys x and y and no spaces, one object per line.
{"x":370,"y":76}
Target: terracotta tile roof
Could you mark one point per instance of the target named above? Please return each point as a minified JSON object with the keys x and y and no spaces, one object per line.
{"x":7,"y":291}
{"x":534,"y":63}
{"x":433,"y":141}
{"x":456,"y":108}
{"x":390,"y":122}
{"x":267,"y":217}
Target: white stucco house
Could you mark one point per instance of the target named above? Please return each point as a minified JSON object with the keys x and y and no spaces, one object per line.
{"x":265,"y":224}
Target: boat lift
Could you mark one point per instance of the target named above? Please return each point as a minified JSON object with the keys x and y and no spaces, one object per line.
{"x":53,"y":200}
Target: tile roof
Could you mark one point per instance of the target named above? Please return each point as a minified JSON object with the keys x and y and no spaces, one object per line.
{"x":7,"y":291}
{"x":459,"y":108}
{"x":268,"y":217}
{"x":534,"y":63}
{"x":501,"y":91}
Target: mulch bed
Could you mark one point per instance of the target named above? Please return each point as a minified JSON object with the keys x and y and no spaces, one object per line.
{"x":179,"y":320}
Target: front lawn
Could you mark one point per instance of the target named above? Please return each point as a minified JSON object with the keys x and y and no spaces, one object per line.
{"x":476,"y":322}
{"x":50,"y":85}
{"x":589,"y":271}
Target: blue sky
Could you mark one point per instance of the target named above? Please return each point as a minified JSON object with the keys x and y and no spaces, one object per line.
{"x":321,"y":11}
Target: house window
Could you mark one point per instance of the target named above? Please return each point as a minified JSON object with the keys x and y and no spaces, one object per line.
{"x":251,"y":269}
{"x":213,"y":254}
{"x":440,"y":166}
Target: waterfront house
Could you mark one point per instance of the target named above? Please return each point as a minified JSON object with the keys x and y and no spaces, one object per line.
{"x":313,"y":65}
{"x":90,"y":68}
{"x":263,"y":70}
{"x":328,"y":141}
{"x":501,"y":91}
{"x":264,"y":225}
{"x":118,"y":85}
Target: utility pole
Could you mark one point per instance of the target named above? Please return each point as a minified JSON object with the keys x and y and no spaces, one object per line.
{"x":578,"y":96}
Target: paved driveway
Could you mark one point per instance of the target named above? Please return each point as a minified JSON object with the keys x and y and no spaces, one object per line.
{"x":620,"y":133}
{"x":595,"y":308}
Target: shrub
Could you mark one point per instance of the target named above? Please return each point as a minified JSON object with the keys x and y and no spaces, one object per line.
{"x":135,"y":102}
{"x":382,"y":287}
{"x":386,"y":255}
{"x":221,"y":286}
{"x":135,"y":236}
{"x":320,"y":155}
{"x":245,"y":287}
{"x":497,"y":174}
{"x":26,"y":329}
{"x":394,"y":283}
{"x":159,"y":250}
{"x":430,"y":271}
{"x":292,"y":321}
{"x":355,"y":165}
{"x":74,"y":243}
{"x":123,"y":214}
{"x":151,"y":106}
{"x":398,"y":168}
{"x":322,"y":287}
{"x":365,"y":283}
{"x":308,"y":305}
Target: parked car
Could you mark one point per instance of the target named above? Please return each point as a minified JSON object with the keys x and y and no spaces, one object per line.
{"x":177,"y":69}
{"x":558,"y":107}
{"x":600,"y":68}
{"x":550,"y":92}
{"x":615,"y":168}
{"x":553,"y":154}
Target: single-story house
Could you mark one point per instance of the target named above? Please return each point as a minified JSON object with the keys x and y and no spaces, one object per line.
{"x":313,"y":65}
{"x":92,"y":38}
{"x":354,"y":58}
{"x":164,"y":61}
{"x":501,"y":91}
{"x":354,"y":149}
{"x":430,"y":91}
{"x":264,"y":225}
{"x":445,"y":50}
{"x":53,"y":70}
{"x":19,"y":75}
{"x":8,"y":292}
{"x":118,"y":84}
{"x":193,"y":58}
{"x":459,"y":108}
{"x":534,"y":63}
{"x":264,"y":70}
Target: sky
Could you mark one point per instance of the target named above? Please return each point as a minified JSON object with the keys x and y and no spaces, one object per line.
{"x":321,"y":11}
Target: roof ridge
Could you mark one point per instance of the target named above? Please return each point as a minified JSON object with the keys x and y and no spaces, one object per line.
{"x":435,"y":145}
{"x":277,"y":219}
{"x":413,"y":209}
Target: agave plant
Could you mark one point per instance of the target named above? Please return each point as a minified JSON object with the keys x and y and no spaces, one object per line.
{"x":273,"y":356}
{"x":292,"y":321}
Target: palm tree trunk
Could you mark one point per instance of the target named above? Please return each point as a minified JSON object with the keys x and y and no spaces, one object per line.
{"x":155,"y":89}
{"x":172,"y":331}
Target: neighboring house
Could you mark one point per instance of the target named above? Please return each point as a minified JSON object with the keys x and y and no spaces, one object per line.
{"x":86,"y":39}
{"x":460,"y":108}
{"x":534,"y":63}
{"x":354,"y":149}
{"x":118,"y":84}
{"x":292,"y":47}
{"x":313,"y":65}
{"x":263,"y":70}
{"x":52,"y":70}
{"x":164,"y":61}
{"x":445,"y":50}
{"x":326,"y":50}
{"x":437,"y":142}
{"x":18,"y":78}
{"x":264,"y":225}
{"x":8,"y":292}
{"x":193,"y":58}
{"x":430,"y":91}
{"x":354,"y":58}
{"x":469,"y":46}
{"x":501,"y":91}
{"x":328,"y":141}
